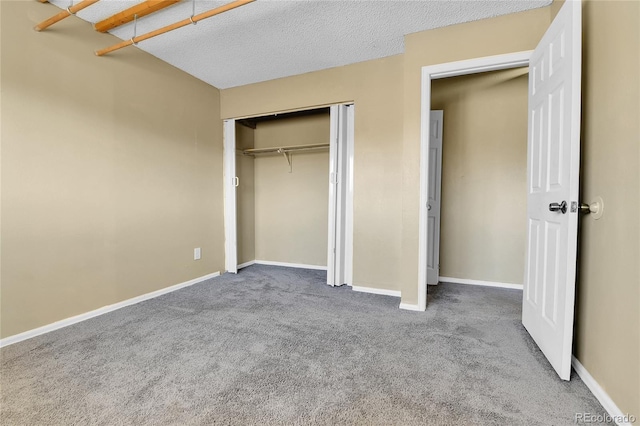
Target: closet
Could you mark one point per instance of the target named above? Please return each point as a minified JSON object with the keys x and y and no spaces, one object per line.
{"x":288,"y":197}
{"x":282,"y":164}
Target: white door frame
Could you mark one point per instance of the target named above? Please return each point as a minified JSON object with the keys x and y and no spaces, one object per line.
{"x":230,"y":182}
{"x":433,"y":72}
{"x":348,"y":225}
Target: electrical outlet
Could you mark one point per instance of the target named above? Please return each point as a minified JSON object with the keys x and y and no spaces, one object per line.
{"x":196,"y":253}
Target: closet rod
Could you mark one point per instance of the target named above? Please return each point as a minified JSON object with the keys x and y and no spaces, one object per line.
{"x":189,"y":21}
{"x":285,"y":149}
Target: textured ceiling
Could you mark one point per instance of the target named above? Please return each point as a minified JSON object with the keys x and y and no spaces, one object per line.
{"x":270,"y":39}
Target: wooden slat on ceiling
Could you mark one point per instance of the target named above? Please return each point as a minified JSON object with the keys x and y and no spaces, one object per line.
{"x":72,"y":10}
{"x":191,"y":20}
{"x":142,"y":9}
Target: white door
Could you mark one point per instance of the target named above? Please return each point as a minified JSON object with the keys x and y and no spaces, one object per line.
{"x":433,"y":201}
{"x":553,"y":177}
{"x":339,"y":248}
{"x":230,"y":207}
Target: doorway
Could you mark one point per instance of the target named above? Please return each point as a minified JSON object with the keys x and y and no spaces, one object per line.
{"x":452,"y":69}
{"x":483,"y":192}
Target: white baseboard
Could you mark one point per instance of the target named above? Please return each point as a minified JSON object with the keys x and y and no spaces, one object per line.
{"x":245,"y":264}
{"x":612,"y":409}
{"x":410,"y":307}
{"x":394,"y":293}
{"x":478,"y":282}
{"x":290,"y":265}
{"x":100,"y":311}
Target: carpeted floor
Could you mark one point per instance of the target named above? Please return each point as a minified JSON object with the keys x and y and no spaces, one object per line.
{"x":277,"y":346}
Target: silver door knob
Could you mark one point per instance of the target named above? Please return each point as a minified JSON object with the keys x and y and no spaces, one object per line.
{"x":558,"y":207}
{"x":429,"y":207}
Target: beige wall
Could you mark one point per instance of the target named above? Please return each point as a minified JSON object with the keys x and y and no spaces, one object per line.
{"x":291,"y":209}
{"x":245,"y":195}
{"x":111,"y":172}
{"x":607,"y":339}
{"x":484,"y":203}
{"x":376,"y":89}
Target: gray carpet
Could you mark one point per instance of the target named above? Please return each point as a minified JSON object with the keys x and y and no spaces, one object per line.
{"x":277,"y":346}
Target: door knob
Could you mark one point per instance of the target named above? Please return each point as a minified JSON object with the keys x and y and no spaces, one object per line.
{"x":558,"y":207}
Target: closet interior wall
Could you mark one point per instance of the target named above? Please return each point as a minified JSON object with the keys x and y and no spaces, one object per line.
{"x":245,"y":195}
{"x":283,"y":211}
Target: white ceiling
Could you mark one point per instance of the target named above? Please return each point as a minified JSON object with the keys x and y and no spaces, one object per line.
{"x":270,"y":39}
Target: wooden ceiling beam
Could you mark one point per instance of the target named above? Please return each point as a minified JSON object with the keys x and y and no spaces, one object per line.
{"x":179,"y":24}
{"x":142,"y":9}
{"x":64,"y":14}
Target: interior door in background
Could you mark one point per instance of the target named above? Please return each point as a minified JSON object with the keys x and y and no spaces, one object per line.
{"x":552,"y":184}
{"x":433,"y":201}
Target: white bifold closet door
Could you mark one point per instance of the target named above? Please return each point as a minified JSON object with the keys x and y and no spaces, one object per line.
{"x":340,"y":245}
{"x":230,"y":203}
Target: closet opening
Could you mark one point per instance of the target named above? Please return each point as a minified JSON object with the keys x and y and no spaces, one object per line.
{"x":289,"y":192}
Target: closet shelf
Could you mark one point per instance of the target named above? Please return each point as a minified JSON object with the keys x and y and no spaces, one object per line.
{"x":285,"y":149}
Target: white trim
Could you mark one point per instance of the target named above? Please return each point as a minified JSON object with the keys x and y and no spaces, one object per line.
{"x":449,"y":69}
{"x":348,"y":255}
{"x":410,"y":307}
{"x":479,"y":282}
{"x":600,"y":394}
{"x":381,"y":291}
{"x":279,"y":112}
{"x":245,"y":264}
{"x":290,"y":265}
{"x":479,"y":65}
{"x":100,"y":311}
